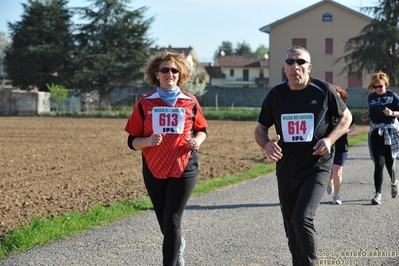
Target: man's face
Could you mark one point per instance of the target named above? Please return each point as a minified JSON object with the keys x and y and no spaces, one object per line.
{"x":297,"y":68}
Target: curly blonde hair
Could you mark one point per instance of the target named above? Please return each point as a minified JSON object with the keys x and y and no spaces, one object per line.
{"x":379,"y":76}
{"x":155,"y":61}
{"x":342,"y":93}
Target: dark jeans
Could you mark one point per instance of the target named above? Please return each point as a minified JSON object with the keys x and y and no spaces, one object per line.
{"x":382,"y":156}
{"x":169,"y":198}
{"x":299,"y":199}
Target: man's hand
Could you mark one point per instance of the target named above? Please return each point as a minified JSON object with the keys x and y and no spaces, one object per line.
{"x":272,"y":149}
{"x":322,"y":147}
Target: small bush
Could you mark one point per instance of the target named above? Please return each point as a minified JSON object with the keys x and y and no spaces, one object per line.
{"x":58,"y":94}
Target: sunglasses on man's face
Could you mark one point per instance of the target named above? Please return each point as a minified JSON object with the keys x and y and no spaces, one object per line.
{"x":291,"y":61}
{"x":378,"y":86}
{"x":167,"y":69}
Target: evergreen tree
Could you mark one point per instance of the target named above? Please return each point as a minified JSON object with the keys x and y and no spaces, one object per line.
{"x":41,"y":46}
{"x":112,"y":46}
{"x":376,"y":48}
{"x":4,"y":42}
{"x":226,"y":48}
{"x":244,"y":49}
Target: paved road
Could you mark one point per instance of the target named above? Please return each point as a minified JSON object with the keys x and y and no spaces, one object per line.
{"x":242,"y":225}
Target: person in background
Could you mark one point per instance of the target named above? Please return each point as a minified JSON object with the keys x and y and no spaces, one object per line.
{"x":383,"y":137}
{"x":302,"y":109}
{"x":168,"y":126}
{"x":341,"y":153}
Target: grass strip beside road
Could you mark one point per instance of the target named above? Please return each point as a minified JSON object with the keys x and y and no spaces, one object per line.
{"x":45,"y":230}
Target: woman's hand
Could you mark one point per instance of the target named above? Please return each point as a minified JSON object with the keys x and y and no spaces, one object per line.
{"x":192,"y":144}
{"x":365,"y":117}
{"x":388,"y":112}
{"x":155,"y":139}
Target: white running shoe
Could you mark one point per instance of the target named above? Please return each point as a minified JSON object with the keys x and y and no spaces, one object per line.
{"x":377,"y":199}
{"x":336,"y":200}
{"x":394,"y":189}
{"x":330,"y":188}
{"x":180,"y":260}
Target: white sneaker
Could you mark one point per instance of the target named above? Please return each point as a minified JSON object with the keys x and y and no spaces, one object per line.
{"x":377,"y":199}
{"x":330,"y":188}
{"x":336,"y":200}
{"x":394,"y":189}
{"x":180,"y":259}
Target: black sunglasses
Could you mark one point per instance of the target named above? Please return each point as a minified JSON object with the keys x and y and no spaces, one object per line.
{"x":291,"y":61}
{"x":378,"y":86}
{"x":167,"y":69}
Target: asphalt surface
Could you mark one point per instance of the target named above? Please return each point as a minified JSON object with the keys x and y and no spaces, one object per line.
{"x":242,"y":225}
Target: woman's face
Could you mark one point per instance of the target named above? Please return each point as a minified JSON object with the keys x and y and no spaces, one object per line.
{"x":167,"y":74}
{"x":379,"y":87}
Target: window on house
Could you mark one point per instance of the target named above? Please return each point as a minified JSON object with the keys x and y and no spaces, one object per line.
{"x":329,"y":46}
{"x":299,"y":42}
{"x":354,"y":80}
{"x":329,"y":77}
{"x":327,"y":17}
{"x":231,"y":72}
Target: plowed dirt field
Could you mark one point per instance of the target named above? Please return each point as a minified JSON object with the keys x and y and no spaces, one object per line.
{"x":51,"y":165}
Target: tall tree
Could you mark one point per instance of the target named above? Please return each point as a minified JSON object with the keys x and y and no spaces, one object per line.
{"x":112,"y":46}
{"x":41,"y":44}
{"x":226,"y":48}
{"x":376,"y":48}
{"x":4,"y":42}
{"x":244,"y":49}
{"x":261,"y":52}
{"x":198,"y":81}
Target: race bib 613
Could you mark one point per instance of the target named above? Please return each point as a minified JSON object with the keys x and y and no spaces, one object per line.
{"x":168,"y":120}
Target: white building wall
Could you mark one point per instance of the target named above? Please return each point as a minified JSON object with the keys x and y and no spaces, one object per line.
{"x":17,"y":102}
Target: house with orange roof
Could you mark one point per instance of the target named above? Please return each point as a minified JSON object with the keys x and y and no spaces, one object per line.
{"x":323,"y":29}
{"x":238,"y":72}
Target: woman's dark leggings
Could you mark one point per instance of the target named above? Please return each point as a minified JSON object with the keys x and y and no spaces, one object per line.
{"x":382,"y":156}
{"x":299,"y":199}
{"x":169,"y":198}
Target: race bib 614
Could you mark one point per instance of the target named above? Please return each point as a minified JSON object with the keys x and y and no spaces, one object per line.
{"x":297,"y":127}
